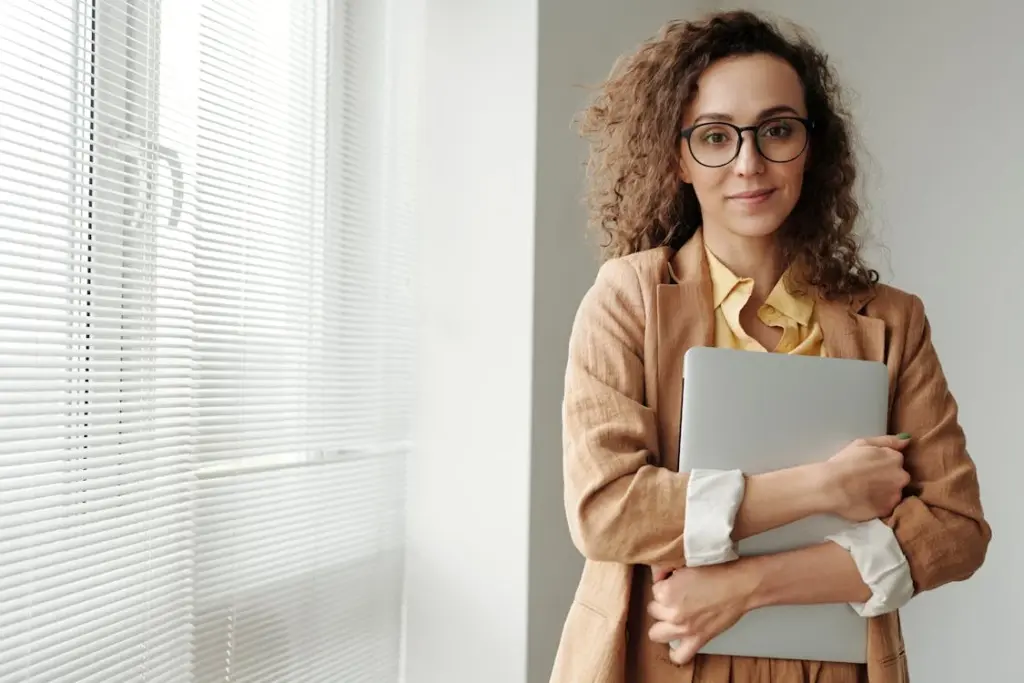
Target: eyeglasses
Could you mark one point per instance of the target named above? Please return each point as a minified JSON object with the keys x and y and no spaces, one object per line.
{"x":778,"y":140}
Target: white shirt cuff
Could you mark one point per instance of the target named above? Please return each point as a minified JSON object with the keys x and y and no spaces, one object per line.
{"x":713,"y":498}
{"x":881,"y":564}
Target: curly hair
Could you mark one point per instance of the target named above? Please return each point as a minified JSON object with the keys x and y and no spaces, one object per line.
{"x":636,"y":197}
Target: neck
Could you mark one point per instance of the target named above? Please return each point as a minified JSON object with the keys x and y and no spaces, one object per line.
{"x":756,"y":258}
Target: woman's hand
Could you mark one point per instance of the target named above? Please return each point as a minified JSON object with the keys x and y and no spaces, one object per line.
{"x":661,"y":573}
{"x":695,"y":604}
{"x":866,"y":479}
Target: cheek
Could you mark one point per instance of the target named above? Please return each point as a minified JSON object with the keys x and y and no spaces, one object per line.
{"x":792,"y":177}
{"x":707,"y":181}
{"x":701,"y":177}
{"x":797,"y":171}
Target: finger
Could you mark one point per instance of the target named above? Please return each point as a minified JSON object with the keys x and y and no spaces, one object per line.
{"x":661,"y":590}
{"x":664,"y":632}
{"x":893,"y":453}
{"x":897,"y":442}
{"x":660,"y":612}
{"x":660,"y":573}
{"x":904,"y":481}
{"x":686,"y":650}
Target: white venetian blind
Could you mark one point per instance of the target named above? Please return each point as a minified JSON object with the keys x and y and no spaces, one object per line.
{"x":205,"y":338}
{"x":96,"y":437}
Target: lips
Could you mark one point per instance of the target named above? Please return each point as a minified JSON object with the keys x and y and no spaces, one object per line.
{"x":753,"y":194}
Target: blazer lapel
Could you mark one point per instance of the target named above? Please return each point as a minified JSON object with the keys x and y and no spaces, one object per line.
{"x":848,"y":334}
{"x":685,"y":319}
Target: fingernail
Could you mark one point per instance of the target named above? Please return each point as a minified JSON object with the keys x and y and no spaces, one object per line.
{"x":903,"y":436}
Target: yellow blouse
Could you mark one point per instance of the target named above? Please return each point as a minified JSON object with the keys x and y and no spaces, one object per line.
{"x":791,"y":311}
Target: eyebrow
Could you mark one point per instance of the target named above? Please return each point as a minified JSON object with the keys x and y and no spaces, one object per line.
{"x":771,"y":111}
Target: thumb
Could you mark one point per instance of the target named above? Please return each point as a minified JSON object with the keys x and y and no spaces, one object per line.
{"x":685,"y":649}
{"x":896,"y":442}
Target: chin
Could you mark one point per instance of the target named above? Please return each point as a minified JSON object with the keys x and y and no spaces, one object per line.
{"x":755,"y":226}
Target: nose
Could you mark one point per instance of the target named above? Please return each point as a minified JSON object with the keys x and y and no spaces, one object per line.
{"x":749,"y":161}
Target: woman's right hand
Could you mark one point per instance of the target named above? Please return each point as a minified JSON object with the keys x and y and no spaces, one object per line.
{"x":866,"y":479}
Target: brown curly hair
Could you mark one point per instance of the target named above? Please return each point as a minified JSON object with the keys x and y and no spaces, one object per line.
{"x":636,"y":198}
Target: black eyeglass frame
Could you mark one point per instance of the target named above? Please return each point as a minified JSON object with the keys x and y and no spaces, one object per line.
{"x":740,"y":130}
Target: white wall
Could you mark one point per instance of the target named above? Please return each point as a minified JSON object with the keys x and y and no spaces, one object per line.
{"x":468,"y":488}
{"x":939,"y":92}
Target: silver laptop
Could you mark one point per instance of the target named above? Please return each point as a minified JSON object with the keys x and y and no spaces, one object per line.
{"x":793,"y":410}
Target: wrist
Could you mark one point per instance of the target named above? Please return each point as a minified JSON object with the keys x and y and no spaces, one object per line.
{"x":821,"y":484}
{"x":754,"y":581}
{"x":766,"y":579}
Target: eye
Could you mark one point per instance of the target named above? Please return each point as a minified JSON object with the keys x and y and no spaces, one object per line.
{"x":777,"y":129}
{"x":715,"y":137}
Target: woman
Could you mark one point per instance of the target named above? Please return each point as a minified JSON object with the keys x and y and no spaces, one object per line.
{"x":723,"y":178}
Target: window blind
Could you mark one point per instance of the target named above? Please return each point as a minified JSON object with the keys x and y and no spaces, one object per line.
{"x":206,"y":334}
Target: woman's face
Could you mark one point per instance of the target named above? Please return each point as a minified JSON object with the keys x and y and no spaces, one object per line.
{"x":750,"y":195}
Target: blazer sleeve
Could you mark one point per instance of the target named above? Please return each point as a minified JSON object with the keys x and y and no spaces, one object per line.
{"x":621,"y":507}
{"x":940,"y":524}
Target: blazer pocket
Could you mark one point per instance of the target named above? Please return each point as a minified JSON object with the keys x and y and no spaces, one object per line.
{"x":590,"y":607}
{"x":894,"y":659}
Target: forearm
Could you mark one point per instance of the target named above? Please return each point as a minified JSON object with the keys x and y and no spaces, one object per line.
{"x":775,"y":499}
{"x":724,"y":506}
{"x":640,"y":519}
{"x":819,"y":574}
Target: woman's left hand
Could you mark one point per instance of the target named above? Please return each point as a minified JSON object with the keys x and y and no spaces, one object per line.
{"x":695,"y":604}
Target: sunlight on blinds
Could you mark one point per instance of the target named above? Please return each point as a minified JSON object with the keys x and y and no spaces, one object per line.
{"x":206,"y":337}
{"x":293,"y":212}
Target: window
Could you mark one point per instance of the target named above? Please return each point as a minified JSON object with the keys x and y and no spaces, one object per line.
{"x":206,"y":337}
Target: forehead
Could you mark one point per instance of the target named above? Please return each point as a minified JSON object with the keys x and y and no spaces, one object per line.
{"x":743,"y":86}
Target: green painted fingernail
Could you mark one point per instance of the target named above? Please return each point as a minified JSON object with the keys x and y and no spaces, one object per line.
{"x":903,"y":436}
